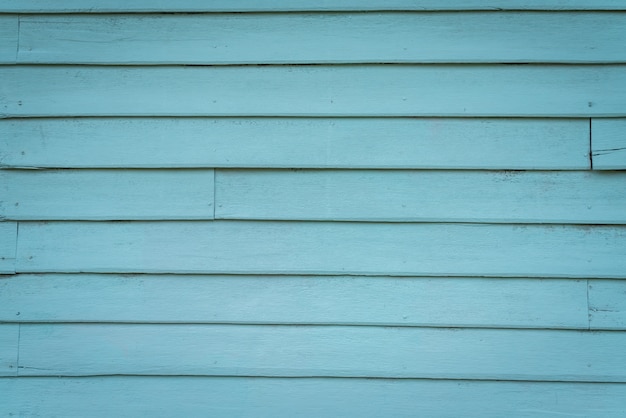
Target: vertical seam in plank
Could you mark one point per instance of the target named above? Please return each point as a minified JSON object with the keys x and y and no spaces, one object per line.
{"x":17,"y":359}
{"x":17,"y":43}
{"x":588,"y":308}
{"x":17,"y":233}
{"x":214,"y":192}
{"x":590,"y":144}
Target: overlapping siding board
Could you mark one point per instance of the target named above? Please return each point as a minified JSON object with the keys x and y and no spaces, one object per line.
{"x":313,"y":208}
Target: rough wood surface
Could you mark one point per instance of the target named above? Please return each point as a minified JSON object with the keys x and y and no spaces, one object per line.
{"x":318,"y":90}
{"x":458,"y":302}
{"x":106,"y":194}
{"x":109,"y":6}
{"x":290,"y":38}
{"x":607,"y":304}
{"x":330,"y":248}
{"x":8,"y":39}
{"x":608,"y":147}
{"x":245,"y":397}
{"x":422,"y":196}
{"x":523,"y":144}
{"x":8,"y":245}
{"x":335,"y":351}
{"x":9,"y":338}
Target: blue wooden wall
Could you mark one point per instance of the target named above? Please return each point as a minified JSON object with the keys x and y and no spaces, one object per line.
{"x":313,"y":208}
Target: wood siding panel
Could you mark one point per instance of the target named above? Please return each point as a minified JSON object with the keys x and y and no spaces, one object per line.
{"x":95,"y":6}
{"x":273,"y":350}
{"x":351,"y":90}
{"x":240,"y":247}
{"x":422,"y":196}
{"x":607,"y":304}
{"x":307,"y":398}
{"x":9,"y":341}
{"x":459,"y":302}
{"x":609,"y":144}
{"x":324,"y":38}
{"x":8,"y":39}
{"x":107,"y":194}
{"x":520,"y":144}
{"x":8,"y":246}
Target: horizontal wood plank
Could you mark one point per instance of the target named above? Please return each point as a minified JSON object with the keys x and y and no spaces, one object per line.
{"x":522,"y":144}
{"x":8,"y":39}
{"x":108,"y":6}
{"x":8,"y":245}
{"x":459,"y":302}
{"x":609,"y":144}
{"x":9,"y":340}
{"x":346,"y":90}
{"x":330,"y":248}
{"x":106,"y":194}
{"x":422,"y":196}
{"x":607,"y":304}
{"x":274,"y":350}
{"x":247,"y":397}
{"x":281,"y":38}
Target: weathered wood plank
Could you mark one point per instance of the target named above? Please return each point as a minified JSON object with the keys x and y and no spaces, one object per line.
{"x":459,"y":302}
{"x":422,"y":196}
{"x":8,"y":246}
{"x":609,"y":144}
{"x":281,"y":38}
{"x":313,"y":397}
{"x":274,"y":350}
{"x":8,"y":39}
{"x":296,"y":142}
{"x":106,"y":194}
{"x":93,"y":6}
{"x":607,"y":304}
{"x":9,"y":338}
{"x":347,"y":90}
{"x":330,"y":248}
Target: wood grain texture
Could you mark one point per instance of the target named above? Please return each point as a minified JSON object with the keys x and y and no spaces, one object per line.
{"x":607,"y":304}
{"x":8,"y":246}
{"x":458,"y":302}
{"x":318,"y":90}
{"x":8,"y":39}
{"x":422,"y":196}
{"x":609,"y":144}
{"x":330,"y":248}
{"x":9,"y":341}
{"x":93,"y":6}
{"x":521,"y":144}
{"x":106,"y":194}
{"x":283,"y":38}
{"x":274,"y":350}
{"x":308,"y":398}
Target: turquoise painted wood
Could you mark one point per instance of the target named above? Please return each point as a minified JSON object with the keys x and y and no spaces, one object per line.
{"x":8,"y":246}
{"x":106,"y":194}
{"x":422,"y":196}
{"x":467,"y":143}
{"x":607,"y":305}
{"x":288,"y":397}
{"x":311,"y":398}
{"x":322,"y":351}
{"x":406,"y":301}
{"x":9,"y":338}
{"x":330,"y":248}
{"x":413,"y":260}
{"x":92,"y":6}
{"x":609,"y":144}
{"x":8,"y":39}
{"x":319,"y":90}
{"x":280,"y":38}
